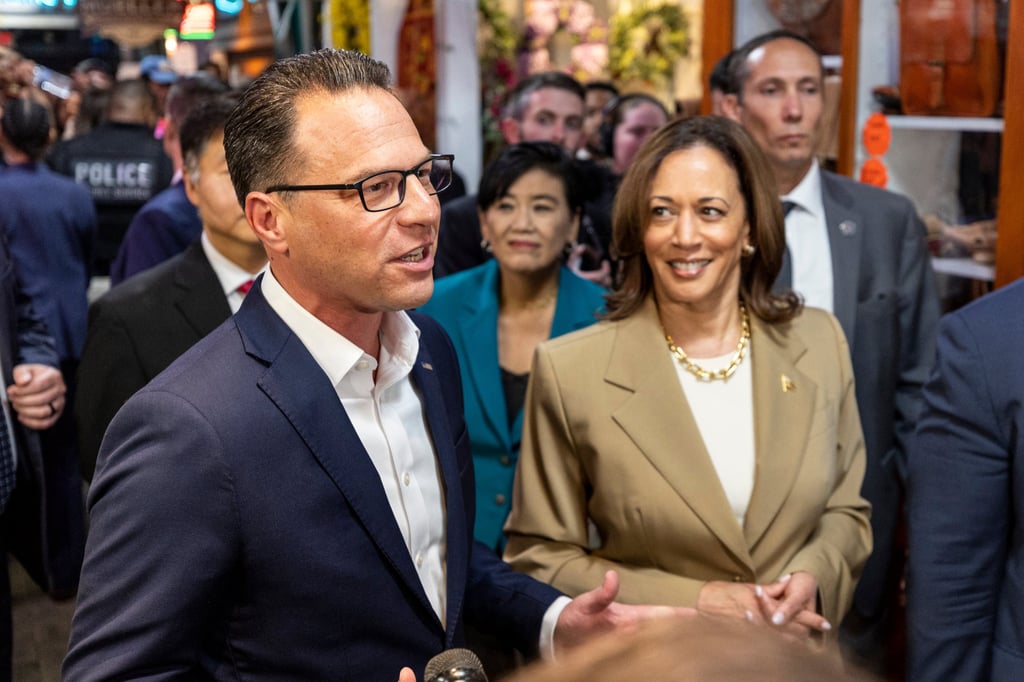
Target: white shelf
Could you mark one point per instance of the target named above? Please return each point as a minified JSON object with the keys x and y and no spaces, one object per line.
{"x":979,"y":125}
{"x":964,"y":267}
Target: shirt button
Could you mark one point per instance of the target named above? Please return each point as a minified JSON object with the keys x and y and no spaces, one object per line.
{"x":505,"y":460}
{"x":406,"y":478}
{"x":499,"y":499}
{"x":362,"y":364}
{"x":419,"y":560}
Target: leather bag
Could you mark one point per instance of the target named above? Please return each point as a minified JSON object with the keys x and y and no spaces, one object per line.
{"x":949,"y":57}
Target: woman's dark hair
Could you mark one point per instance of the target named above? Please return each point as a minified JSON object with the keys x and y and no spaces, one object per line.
{"x":518,"y":159}
{"x":631,"y":216}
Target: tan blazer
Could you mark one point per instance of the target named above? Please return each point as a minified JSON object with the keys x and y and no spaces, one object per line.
{"x":609,"y":443}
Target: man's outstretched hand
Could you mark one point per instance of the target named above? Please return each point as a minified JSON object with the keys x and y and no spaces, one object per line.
{"x":596,"y":612}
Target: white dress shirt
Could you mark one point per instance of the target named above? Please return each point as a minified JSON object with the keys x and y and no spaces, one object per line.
{"x":807,"y":238}
{"x":230,"y":275}
{"x":388,"y":418}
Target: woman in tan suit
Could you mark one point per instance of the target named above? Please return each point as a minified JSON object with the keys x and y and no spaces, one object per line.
{"x":703,"y":441}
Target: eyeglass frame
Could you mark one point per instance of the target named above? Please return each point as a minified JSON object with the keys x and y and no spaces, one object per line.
{"x":358,"y":184}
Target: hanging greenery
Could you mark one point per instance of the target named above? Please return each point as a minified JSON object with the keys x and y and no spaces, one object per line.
{"x":496,"y":47}
{"x":350,"y":25}
{"x":646,"y":42}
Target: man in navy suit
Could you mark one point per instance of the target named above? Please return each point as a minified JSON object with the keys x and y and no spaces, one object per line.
{"x":292,"y":499}
{"x":859,"y":252}
{"x":965,"y":580}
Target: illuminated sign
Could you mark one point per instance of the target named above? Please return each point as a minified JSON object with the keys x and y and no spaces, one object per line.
{"x":37,"y":6}
{"x":199,"y":22}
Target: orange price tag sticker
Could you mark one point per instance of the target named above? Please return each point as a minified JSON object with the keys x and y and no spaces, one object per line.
{"x":877,"y":134}
{"x":873,"y":172}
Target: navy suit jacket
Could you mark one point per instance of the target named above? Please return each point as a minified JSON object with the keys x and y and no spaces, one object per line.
{"x":466,"y":304}
{"x":965,"y":581}
{"x":162,"y":228}
{"x":239,"y":529}
{"x":885,"y":300}
{"x":50,"y":223}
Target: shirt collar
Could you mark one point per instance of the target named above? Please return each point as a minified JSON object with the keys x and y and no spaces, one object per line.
{"x":807,"y":193}
{"x":230,"y":275}
{"x":335,"y":354}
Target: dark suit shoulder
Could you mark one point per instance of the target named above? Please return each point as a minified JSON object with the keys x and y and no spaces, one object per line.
{"x":147,"y":284}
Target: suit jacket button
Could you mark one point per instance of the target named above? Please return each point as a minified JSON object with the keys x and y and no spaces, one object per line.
{"x":737,"y":578}
{"x":499,"y":499}
{"x":505,"y":460}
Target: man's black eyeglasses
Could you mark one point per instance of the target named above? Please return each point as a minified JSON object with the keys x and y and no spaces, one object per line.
{"x":386,"y":190}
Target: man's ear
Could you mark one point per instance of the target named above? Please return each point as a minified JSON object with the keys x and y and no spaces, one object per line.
{"x":190,"y":188}
{"x":731,"y":107}
{"x":509,"y":130}
{"x":268,"y":216}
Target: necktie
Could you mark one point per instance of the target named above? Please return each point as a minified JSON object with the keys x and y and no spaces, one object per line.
{"x":8,"y":475}
{"x":244,"y":287}
{"x":784,"y":281}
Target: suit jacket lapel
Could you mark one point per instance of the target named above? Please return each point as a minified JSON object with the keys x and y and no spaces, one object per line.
{"x":456,"y":532}
{"x":784,"y":401}
{"x":658,"y":420}
{"x":306,"y":398}
{"x":844,"y":235}
{"x":478,"y":331}
{"x":201,"y":299}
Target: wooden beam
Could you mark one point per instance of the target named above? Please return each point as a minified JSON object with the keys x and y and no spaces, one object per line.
{"x":1010,"y":246}
{"x":718,"y":36}
{"x":848,"y":133}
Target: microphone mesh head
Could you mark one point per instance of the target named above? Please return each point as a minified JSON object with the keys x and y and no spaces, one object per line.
{"x":452,"y":659}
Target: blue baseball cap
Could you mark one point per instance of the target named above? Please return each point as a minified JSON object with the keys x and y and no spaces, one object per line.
{"x":157,"y":69}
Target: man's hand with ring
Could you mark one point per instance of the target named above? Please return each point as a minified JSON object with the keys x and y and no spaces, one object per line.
{"x":37,"y":395}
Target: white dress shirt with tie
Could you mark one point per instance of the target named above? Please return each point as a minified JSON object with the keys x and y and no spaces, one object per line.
{"x":808,"y":242}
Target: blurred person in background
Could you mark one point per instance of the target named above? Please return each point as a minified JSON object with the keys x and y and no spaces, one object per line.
{"x":703,"y":441}
{"x":49,"y":224}
{"x":121,"y":164}
{"x":142,"y":325}
{"x":168,"y":222}
{"x":598,"y":94}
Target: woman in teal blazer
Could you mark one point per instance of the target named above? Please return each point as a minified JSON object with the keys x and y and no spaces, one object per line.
{"x":497,"y":313}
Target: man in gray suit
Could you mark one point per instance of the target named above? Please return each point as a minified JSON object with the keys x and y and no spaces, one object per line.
{"x":861,"y":253}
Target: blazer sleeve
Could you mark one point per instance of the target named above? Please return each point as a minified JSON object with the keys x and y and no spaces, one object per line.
{"x":959,"y":516}
{"x":153,"y":580}
{"x":547,"y":529}
{"x":841,"y":543}
{"x":919,"y":313}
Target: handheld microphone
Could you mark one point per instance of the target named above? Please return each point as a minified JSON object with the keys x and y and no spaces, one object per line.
{"x":454,"y":665}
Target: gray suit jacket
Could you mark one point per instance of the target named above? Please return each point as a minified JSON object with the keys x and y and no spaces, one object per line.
{"x":885,"y":301}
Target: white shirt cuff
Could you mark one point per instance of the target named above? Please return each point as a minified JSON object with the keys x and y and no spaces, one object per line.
{"x":547,"y":628}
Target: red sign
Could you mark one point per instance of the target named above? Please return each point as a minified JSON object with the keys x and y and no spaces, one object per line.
{"x":199,"y":21}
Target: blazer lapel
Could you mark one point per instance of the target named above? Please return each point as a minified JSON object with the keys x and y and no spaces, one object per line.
{"x":784,"y":401}
{"x":456,"y":532}
{"x":306,"y":398}
{"x":201,"y":300}
{"x":845,"y":241}
{"x":478,"y":331}
{"x":658,"y":420}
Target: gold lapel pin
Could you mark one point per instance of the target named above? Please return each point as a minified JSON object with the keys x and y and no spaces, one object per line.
{"x":427,"y":365}
{"x":787,"y":384}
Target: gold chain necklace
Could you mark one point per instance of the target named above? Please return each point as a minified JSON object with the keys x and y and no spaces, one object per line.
{"x":727,"y":371}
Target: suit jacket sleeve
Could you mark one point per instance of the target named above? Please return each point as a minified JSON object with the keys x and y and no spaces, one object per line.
{"x":836,"y":551}
{"x":919,"y":317}
{"x":959,"y":516}
{"x":154,"y":579}
{"x":109,"y":373}
{"x":548,"y":529}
